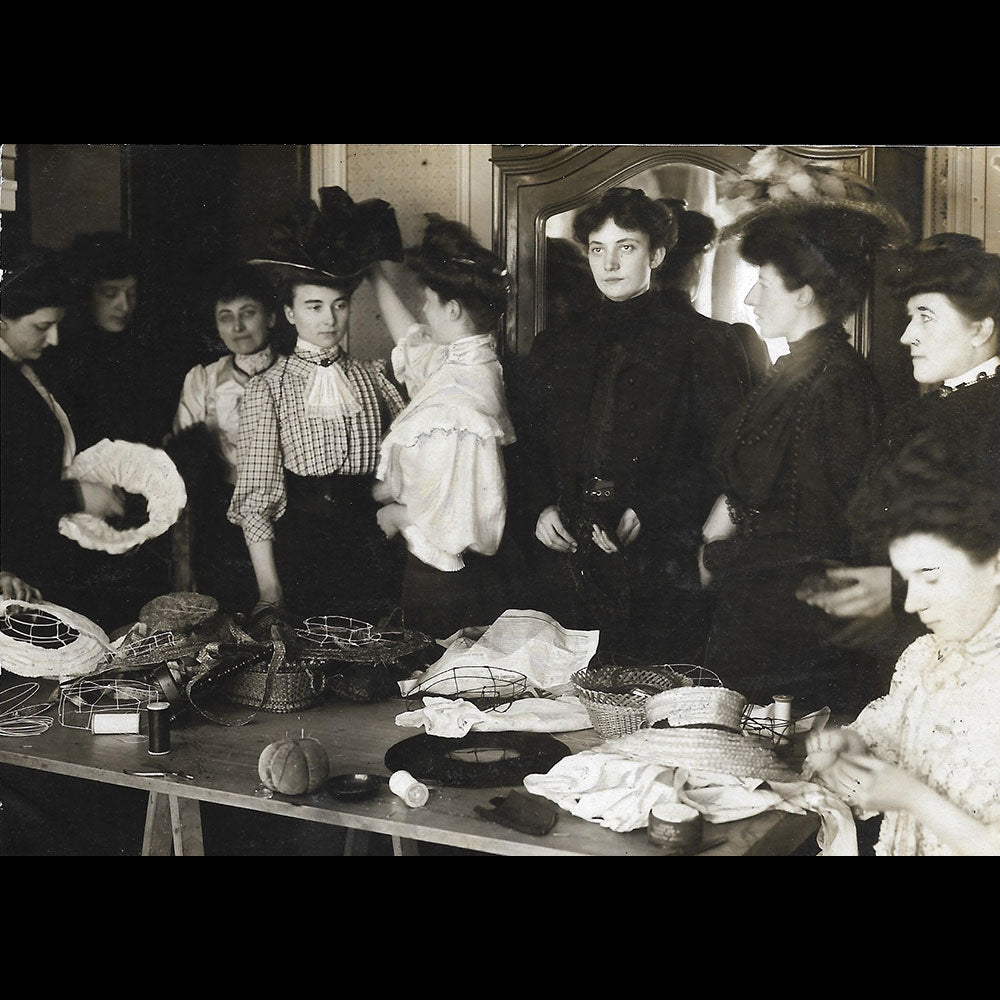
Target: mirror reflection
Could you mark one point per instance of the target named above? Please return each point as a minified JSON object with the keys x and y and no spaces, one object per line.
{"x":717,"y":281}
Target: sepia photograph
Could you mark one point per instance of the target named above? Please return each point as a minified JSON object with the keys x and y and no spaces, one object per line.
{"x":475,"y":500}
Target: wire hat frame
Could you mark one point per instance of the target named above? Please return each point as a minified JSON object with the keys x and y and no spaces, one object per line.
{"x":490,"y":689}
{"x":81,"y":700}
{"x":18,"y":717}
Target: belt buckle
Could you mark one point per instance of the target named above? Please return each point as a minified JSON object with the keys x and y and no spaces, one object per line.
{"x":600,"y":489}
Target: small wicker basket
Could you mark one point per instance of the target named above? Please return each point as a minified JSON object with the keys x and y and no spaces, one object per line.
{"x":615,"y":697}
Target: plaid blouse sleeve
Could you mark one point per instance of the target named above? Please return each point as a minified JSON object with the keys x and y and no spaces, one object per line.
{"x":259,"y":499}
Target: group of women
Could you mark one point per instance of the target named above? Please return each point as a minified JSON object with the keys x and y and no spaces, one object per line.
{"x":654,"y":481}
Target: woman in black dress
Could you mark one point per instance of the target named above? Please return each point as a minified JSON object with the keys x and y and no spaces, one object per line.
{"x":38,"y":445}
{"x":951,"y":288}
{"x":791,"y":458}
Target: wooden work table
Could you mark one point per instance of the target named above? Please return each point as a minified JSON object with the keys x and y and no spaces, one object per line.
{"x":223,"y":763}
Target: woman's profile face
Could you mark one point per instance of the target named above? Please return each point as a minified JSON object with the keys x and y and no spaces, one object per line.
{"x":940,"y":338}
{"x":773,"y":304}
{"x":953,"y":595}
{"x":321,"y":316}
{"x":243,"y":324}
{"x":113,"y":302}
{"x":28,"y":336}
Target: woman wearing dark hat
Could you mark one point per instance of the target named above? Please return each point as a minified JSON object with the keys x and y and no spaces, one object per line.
{"x":310,"y":425}
{"x":792,"y":457}
{"x":38,"y":444}
{"x":951,"y":288}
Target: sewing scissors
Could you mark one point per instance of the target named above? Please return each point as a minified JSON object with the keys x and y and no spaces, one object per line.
{"x":160,"y":774}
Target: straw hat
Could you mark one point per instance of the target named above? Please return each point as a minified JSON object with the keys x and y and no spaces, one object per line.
{"x":710,"y":707}
{"x":46,"y":640}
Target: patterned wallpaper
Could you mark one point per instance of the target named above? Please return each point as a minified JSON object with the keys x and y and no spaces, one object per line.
{"x":415,"y":179}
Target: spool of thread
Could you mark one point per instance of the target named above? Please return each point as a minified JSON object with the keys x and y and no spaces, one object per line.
{"x":159,"y":728}
{"x":411,"y":791}
{"x":782,"y":719}
{"x":102,"y":723}
{"x":675,"y":827}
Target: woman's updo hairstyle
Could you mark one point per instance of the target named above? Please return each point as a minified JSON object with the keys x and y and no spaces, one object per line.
{"x":454,"y":266}
{"x":33,"y":280}
{"x":933,"y":488}
{"x":830,"y":249}
{"x":955,"y":265}
{"x":630,"y":209}
{"x":696,"y":232}
{"x":103,"y":256}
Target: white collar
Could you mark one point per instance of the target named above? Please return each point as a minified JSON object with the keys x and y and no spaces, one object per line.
{"x":988,"y":369}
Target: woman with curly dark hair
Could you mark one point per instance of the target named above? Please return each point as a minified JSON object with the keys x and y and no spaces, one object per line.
{"x":927,"y":754}
{"x":441,"y":472}
{"x":951,"y":288}
{"x":791,"y":460}
{"x":619,"y":415}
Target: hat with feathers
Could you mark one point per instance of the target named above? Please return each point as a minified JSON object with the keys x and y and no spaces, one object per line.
{"x":336,"y":239}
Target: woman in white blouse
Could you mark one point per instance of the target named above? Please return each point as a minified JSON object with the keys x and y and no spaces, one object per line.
{"x":927,"y":754}
{"x":209,"y":552}
{"x":441,"y":475}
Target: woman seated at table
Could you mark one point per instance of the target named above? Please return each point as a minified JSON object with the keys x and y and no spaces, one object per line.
{"x":310,"y":426}
{"x":791,"y":459}
{"x":210,"y":553}
{"x":38,"y":445}
{"x":927,"y":754}
{"x":951,"y":288}
{"x":441,"y":473}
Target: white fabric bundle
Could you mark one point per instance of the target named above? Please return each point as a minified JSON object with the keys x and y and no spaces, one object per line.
{"x":136,"y":468}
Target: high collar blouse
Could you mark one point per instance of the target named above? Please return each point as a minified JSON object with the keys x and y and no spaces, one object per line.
{"x":939,"y":722}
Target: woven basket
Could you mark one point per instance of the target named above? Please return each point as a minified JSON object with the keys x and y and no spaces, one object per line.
{"x":615,"y":697}
{"x":291,"y":689}
{"x":716,"y":707}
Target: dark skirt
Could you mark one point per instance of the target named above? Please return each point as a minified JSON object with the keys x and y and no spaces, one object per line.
{"x":440,"y":603}
{"x":331,"y":555}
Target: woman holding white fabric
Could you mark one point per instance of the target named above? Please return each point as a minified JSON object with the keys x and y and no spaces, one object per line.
{"x":38,"y":445}
{"x":441,"y":472}
{"x":310,"y":427}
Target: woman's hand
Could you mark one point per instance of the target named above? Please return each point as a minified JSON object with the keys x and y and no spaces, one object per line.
{"x":824,"y":748}
{"x":552,"y":533}
{"x":719,"y":523}
{"x":100,"y":500}
{"x":627,"y":532}
{"x":868,"y":596}
{"x":381,"y":492}
{"x":13,"y":588}
{"x":392,"y":518}
{"x":878,"y":786}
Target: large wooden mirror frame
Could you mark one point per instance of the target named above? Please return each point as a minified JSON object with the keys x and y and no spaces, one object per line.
{"x":533,"y":183}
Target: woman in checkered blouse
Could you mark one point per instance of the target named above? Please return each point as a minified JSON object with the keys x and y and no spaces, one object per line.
{"x":309,"y":434}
